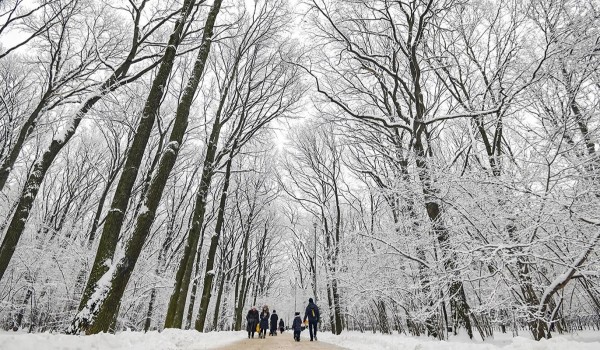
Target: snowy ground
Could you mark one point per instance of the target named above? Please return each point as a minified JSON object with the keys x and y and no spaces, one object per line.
{"x":191,"y":340}
{"x":167,"y":340}
{"x":370,"y":341}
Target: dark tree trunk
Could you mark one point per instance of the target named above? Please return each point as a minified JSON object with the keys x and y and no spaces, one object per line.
{"x":148,"y":321}
{"x":383,"y":318}
{"x":336,"y":307}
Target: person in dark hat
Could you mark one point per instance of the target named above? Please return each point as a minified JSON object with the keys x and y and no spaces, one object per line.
{"x":312,"y":315}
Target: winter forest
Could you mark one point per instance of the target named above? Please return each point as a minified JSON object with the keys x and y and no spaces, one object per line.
{"x":423,"y":167}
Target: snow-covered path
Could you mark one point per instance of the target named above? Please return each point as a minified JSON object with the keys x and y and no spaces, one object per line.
{"x":283,"y":341}
{"x":172,"y":339}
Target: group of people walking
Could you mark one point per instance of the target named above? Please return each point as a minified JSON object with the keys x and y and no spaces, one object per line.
{"x":259,"y":322}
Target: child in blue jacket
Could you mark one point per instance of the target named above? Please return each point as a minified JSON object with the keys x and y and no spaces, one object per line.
{"x":297,"y":326}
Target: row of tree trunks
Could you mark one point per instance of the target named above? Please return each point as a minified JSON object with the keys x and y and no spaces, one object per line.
{"x":103,"y":314}
{"x":174,"y":318}
{"x":116,"y":215}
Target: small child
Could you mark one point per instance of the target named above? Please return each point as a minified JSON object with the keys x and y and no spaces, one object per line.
{"x":297,"y":326}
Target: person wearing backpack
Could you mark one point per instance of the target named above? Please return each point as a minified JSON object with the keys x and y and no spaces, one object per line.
{"x":312,"y":315}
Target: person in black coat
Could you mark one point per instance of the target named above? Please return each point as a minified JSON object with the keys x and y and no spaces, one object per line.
{"x":297,"y":326}
{"x":281,"y":326}
{"x":251,"y":321}
{"x":312,"y":314}
{"x":274,"y":319}
{"x":264,"y":322}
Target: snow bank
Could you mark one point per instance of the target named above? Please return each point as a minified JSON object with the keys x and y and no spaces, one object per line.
{"x":170,"y":339}
{"x":370,"y":341}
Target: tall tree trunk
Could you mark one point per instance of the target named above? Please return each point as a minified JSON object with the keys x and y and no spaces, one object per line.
{"x":334,"y":258}
{"x":148,"y":321}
